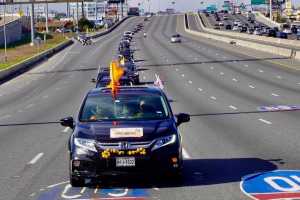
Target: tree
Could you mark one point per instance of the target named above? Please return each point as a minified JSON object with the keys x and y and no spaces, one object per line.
{"x":84,"y":23}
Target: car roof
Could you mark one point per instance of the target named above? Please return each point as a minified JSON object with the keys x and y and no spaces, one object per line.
{"x":128,"y":90}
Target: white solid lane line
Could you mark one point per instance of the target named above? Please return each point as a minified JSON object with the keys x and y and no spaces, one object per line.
{"x":36,"y":158}
{"x":185,"y":154}
{"x":265,"y":121}
{"x":275,"y":95}
{"x":66,"y":130}
{"x":251,"y":86}
{"x":232,"y":107}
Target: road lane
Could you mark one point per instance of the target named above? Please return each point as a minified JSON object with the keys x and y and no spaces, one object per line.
{"x":64,"y":86}
{"x":221,"y":148}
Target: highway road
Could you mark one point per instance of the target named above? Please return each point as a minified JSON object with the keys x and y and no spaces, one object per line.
{"x":199,"y":76}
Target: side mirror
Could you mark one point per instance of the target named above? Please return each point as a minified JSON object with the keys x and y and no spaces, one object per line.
{"x":182,"y":118}
{"x":68,"y":122}
{"x":93,"y":80}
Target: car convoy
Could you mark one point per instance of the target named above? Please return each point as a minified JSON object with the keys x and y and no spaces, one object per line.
{"x":130,"y":131}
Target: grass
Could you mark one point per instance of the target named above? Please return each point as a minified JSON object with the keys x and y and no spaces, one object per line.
{"x":22,"y":50}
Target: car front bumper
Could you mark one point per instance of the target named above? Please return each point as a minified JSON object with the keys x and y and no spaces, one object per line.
{"x":93,"y":166}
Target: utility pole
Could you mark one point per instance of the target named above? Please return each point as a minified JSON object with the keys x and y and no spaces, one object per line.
{"x":46,"y":12}
{"x":77,"y":16}
{"x":271,"y":10}
{"x":82,"y":9}
{"x":32,"y":24}
{"x":4,"y":33}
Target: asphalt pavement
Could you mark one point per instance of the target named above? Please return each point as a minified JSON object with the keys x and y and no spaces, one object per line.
{"x":217,"y":86}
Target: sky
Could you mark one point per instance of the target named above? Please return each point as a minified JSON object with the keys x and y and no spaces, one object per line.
{"x":180,"y":5}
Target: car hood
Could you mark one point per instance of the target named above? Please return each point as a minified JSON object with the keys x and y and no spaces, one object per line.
{"x":100,"y":131}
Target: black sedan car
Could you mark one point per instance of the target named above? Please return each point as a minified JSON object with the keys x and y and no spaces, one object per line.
{"x":134,"y":132}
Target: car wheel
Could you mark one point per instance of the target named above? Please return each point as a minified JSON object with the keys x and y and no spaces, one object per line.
{"x":76,"y":181}
{"x":176,"y":176}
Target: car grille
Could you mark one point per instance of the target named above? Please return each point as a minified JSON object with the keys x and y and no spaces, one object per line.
{"x":124,"y":145}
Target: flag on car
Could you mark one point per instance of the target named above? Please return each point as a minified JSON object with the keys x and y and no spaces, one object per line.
{"x":116,"y":72}
{"x":158,"y":83}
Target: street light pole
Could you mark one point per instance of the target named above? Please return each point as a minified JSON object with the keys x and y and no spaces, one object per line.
{"x":4,"y":33}
{"x":271,"y":10}
{"x":32,"y":24}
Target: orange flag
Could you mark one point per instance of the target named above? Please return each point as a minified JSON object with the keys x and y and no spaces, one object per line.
{"x":116,"y":72}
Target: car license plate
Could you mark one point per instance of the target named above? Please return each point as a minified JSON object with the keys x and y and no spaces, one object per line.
{"x":125,"y":162}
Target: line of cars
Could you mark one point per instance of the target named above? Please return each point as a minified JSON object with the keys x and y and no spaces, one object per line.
{"x":250,"y":26}
{"x":132,"y":132}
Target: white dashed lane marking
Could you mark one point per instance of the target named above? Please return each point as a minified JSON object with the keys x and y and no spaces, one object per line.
{"x":36,"y":158}
{"x":200,"y":89}
{"x":265,"y":121}
{"x":246,"y":65}
{"x":66,"y":130}
{"x":221,"y":73}
{"x":275,"y":95}
{"x":232,"y":107}
{"x":211,"y":68}
{"x":261,"y":71}
{"x":234,"y":79}
{"x":251,"y":86}
{"x":213,"y":98}
{"x":190,"y":82}
{"x":182,"y":75}
{"x":279,"y":77}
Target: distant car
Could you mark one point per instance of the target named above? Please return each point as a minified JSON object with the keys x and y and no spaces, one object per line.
{"x":104,"y":82}
{"x":228,"y":27}
{"x":282,"y":35}
{"x":298,"y":35}
{"x":257,"y":32}
{"x":250,"y":30}
{"x":271,"y":33}
{"x":236,"y":22}
{"x":235,"y":28}
{"x":287,"y":31}
{"x":176,"y":38}
{"x":243,"y":29}
{"x":221,"y":23}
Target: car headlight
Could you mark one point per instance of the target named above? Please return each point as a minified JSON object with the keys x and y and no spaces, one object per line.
{"x":85,"y":144}
{"x":164,"y":141}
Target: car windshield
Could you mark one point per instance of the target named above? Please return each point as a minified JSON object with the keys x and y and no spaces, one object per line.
{"x":124,"y":107}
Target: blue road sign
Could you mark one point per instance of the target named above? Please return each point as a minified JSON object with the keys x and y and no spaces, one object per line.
{"x":278,"y":184}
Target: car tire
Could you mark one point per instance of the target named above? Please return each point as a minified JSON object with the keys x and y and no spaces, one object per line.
{"x":76,"y":181}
